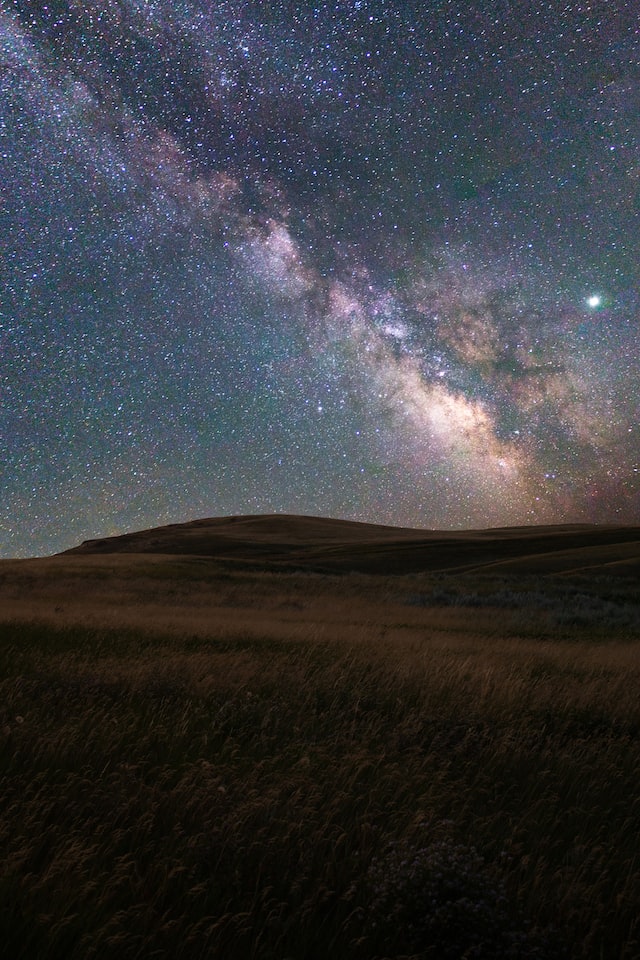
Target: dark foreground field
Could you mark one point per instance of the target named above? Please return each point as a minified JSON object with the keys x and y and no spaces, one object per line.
{"x":242,"y":755}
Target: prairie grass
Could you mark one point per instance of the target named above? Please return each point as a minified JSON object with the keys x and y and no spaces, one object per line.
{"x":359,"y":779}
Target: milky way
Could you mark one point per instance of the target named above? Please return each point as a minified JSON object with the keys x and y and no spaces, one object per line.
{"x":367,"y":260}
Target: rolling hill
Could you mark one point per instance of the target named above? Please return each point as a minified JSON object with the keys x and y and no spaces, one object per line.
{"x":322,"y":544}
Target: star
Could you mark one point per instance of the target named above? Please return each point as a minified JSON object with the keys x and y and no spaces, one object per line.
{"x":237,"y":236}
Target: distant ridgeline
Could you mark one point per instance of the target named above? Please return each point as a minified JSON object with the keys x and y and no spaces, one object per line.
{"x":282,"y":541}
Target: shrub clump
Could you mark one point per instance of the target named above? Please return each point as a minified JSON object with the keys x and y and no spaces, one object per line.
{"x":441,"y":900}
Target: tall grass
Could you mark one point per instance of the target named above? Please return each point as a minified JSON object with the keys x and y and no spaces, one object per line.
{"x":248,"y":797}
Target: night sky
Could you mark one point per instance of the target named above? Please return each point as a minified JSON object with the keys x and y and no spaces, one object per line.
{"x":367,"y":260}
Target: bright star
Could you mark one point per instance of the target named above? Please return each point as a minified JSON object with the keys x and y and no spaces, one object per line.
{"x":594,"y":301}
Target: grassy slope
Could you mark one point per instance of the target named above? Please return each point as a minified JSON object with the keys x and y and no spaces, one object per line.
{"x":317,"y":543}
{"x":202,"y":761}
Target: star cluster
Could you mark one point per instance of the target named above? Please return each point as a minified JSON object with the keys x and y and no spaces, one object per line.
{"x":363,"y":259}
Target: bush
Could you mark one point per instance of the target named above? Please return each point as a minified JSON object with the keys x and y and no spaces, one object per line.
{"x":441,"y":900}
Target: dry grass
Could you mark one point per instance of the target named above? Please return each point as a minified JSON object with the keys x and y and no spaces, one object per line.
{"x":223,"y":774}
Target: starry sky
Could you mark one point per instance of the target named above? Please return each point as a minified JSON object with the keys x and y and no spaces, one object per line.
{"x":358,"y":259}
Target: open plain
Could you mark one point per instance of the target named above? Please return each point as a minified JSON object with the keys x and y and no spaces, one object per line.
{"x":289,"y":737}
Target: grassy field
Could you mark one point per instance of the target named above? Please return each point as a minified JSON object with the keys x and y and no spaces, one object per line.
{"x":205,"y":761}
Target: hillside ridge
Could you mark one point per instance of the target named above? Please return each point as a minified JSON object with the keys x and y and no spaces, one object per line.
{"x":324,"y":543}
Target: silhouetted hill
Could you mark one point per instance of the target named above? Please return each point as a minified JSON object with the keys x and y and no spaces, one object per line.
{"x":318,"y":543}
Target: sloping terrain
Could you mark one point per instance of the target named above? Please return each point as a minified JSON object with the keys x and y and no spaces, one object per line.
{"x":316,"y":543}
{"x":224,"y":698}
